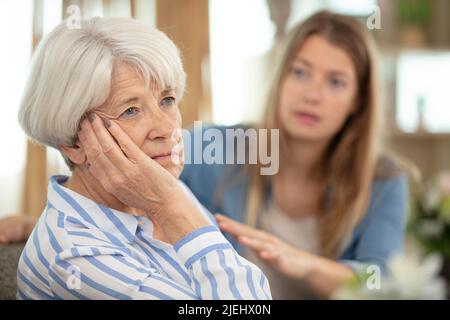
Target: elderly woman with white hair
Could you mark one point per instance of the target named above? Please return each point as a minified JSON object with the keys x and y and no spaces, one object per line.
{"x":122,"y":226}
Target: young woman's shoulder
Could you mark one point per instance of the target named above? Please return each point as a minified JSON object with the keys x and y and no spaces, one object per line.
{"x":390,"y":183}
{"x":389,"y":167}
{"x":380,"y":233}
{"x":389,"y":193}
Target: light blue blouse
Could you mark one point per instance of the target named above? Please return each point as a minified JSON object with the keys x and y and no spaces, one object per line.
{"x":80,"y":249}
{"x":378,"y":236}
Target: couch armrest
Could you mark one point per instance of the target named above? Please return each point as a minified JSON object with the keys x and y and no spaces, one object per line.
{"x":9,"y":258}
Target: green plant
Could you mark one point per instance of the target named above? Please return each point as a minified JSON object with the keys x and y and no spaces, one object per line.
{"x":414,"y":12}
{"x":429,"y":220}
{"x":407,"y":277}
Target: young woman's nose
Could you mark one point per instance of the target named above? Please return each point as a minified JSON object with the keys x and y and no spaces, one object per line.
{"x":314,"y":91}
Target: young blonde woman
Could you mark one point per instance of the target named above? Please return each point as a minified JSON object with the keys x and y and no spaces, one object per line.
{"x":337,"y":203}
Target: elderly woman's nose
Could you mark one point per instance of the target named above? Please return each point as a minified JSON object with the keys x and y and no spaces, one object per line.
{"x":163,"y":127}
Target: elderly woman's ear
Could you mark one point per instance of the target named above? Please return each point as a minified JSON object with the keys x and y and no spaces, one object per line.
{"x":74,"y":153}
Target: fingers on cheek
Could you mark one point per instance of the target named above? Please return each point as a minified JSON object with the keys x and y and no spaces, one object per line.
{"x":82,"y":142}
{"x":91,"y":169}
{"x":108,"y":187}
{"x":82,"y":132}
{"x":100,"y":176}
{"x":80,"y":139}
{"x":94,"y":170}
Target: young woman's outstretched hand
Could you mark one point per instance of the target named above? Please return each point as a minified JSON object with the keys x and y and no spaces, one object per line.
{"x":323,"y":274}
{"x":16,"y":228}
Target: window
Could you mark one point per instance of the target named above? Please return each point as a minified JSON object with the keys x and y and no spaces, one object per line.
{"x":241,"y":34}
{"x":15,"y":32}
{"x":423,"y":96}
{"x":352,"y":7}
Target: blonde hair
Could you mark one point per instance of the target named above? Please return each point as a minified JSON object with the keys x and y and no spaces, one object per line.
{"x":349,"y":165}
{"x":72,"y":68}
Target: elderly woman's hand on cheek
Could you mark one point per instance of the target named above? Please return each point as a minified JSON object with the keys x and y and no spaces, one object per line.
{"x":280,"y":255}
{"x":138,"y":181}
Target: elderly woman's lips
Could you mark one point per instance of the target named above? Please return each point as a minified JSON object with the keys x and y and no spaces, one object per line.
{"x":163,"y":156}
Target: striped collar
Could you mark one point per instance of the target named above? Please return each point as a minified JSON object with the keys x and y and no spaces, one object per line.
{"x":92,"y":214}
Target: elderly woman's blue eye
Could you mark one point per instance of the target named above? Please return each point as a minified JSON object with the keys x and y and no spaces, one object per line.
{"x":130,"y":112}
{"x":168,"y":101}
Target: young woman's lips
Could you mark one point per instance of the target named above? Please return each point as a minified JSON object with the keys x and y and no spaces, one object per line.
{"x":307,"y":118}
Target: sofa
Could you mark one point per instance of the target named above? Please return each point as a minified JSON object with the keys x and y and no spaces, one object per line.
{"x":9,"y":258}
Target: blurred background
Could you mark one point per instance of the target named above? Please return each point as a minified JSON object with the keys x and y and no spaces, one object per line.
{"x":226,"y":47}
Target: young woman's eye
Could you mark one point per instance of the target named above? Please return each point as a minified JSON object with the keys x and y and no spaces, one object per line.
{"x":129,"y":113}
{"x":337,"y":83}
{"x":299,"y":72}
{"x":167,"y":101}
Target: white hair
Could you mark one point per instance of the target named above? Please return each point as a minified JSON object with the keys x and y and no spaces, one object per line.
{"x":72,"y":68}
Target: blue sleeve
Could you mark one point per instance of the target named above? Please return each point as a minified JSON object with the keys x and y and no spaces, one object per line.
{"x":202,"y":179}
{"x":381,"y":233}
{"x":210,"y":183}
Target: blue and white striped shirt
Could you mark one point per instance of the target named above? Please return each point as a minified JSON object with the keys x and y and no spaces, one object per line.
{"x":82,"y":250}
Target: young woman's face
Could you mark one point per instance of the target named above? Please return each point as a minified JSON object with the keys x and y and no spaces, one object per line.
{"x":318,"y":92}
{"x":150,"y":119}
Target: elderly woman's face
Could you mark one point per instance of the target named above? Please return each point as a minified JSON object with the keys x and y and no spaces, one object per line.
{"x":150,"y":117}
